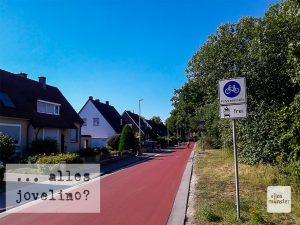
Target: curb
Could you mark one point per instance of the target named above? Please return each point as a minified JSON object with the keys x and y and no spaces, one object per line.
{"x":178,"y":213}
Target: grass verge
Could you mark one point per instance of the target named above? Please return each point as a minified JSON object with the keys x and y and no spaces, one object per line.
{"x":215,"y":199}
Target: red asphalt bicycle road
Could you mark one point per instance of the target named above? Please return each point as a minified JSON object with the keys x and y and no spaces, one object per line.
{"x":139,"y":195}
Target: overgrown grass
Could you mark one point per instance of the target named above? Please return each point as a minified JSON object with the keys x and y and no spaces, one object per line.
{"x":216,"y":192}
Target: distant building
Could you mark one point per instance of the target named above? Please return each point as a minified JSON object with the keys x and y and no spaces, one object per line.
{"x":101,"y":121}
{"x":31,"y":110}
{"x":160,"y":129}
{"x":132,"y":120}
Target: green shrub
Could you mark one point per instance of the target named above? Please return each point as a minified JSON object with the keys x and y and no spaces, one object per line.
{"x":30,"y":158}
{"x":173,"y":141}
{"x":63,"y":157}
{"x":114,"y":141}
{"x":127,"y":139}
{"x":163,"y":142}
{"x":46,"y":146}
{"x":114,"y":153}
{"x":7,"y":147}
{"x":2,"y":171}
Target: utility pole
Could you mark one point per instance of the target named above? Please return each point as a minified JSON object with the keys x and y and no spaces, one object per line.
{"x":140,"y":133}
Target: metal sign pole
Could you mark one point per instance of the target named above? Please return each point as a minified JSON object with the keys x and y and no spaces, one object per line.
{"x":236,"y":169}
{"x":202,"y":141}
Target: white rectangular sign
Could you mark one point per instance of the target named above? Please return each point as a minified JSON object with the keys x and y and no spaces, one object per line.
{"x":52,"y":188}
{"x":232,"y":91}
{"x":233,"y":111}
{"x":279,"y":199}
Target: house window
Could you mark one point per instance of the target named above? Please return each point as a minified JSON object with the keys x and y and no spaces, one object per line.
{"x":74,"y":135}
{"x":84,"y":122}
{"x":48,"y":107}
{"x":50,"y":133}
{"x":12,"y":130}
{"x":121,"y":122}
{"x":96,"y":121}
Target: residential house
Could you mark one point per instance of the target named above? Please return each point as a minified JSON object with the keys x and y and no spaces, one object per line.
{"x":133,"y":120}
{"x":101,"y":121}
{"x":159,"y":129}
{"x":31,"y":110}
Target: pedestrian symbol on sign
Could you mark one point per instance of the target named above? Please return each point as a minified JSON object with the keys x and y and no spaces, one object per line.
{"x":232,"y":89}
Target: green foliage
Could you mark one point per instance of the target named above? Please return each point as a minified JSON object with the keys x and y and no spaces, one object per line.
{"x":266,"y":51}
{"x":290,"y":129}
{"x":163,"y":142}
{"x":212,"y":135}
{"x":7,"y":147}
{"x":113,"y":142}
{"x":127,"y":140}
{"x":209,"y":214}
{"x":173,"y":141}
{"x":156,"y":119}
{"x":63,"y":157}
{"x":46,"y":146}
{"x":31,"y":158}
{"x":256,"y":216}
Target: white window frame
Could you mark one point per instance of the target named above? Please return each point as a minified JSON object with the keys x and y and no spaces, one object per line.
{"x":15,"y":125}
{"x":52,"y":103}
{"x":57,"y":133}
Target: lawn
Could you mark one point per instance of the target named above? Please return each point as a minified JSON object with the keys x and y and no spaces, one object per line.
{"x":215,"y":191}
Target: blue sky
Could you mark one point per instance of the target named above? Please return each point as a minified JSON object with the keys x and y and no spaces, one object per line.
{"x":114,"y":50}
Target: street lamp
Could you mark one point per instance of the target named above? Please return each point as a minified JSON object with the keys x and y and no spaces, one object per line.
{"x":140,"y":136}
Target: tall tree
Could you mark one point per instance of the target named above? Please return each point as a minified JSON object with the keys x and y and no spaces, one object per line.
{"x":258,"y":49}
{"x":156,"y":119}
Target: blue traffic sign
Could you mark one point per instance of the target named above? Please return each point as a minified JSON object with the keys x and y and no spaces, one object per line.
{"x":232,"y":89}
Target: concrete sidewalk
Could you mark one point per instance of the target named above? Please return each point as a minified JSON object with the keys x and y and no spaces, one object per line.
{"x":178,"y":213}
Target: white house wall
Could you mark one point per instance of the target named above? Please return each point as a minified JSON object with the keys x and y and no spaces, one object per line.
{"x":99,"y":133}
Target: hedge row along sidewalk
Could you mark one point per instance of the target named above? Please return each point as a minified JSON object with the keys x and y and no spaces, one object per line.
{"x":215,"y":191}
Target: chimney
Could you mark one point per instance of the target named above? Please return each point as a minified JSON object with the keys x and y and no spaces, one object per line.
{"x":97,"y":100}
{"x":23,"y":75}
{"x":91,"y":98}
{"x":107,"y":102}
{"x":42,"y":81}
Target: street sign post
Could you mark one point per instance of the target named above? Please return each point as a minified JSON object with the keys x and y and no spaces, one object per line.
{"x":233,"y":105}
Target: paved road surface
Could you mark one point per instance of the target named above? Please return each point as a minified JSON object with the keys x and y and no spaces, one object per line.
{"x":139,"y":195}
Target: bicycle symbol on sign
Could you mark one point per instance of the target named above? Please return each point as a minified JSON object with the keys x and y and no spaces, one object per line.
{"x":232,"y":89}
